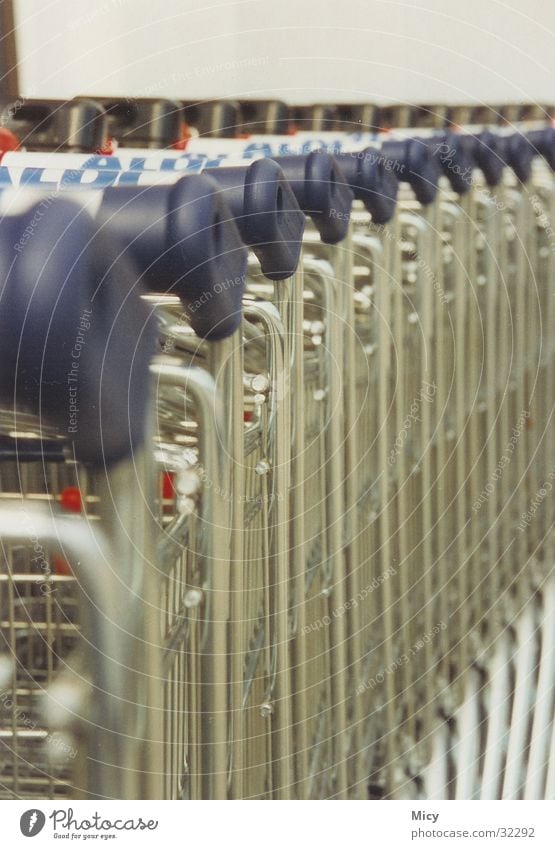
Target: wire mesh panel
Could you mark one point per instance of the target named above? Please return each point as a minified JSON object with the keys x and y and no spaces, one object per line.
{"x":40,"y":621}
{"x":57,"y":740}
{"x":40,"y":611}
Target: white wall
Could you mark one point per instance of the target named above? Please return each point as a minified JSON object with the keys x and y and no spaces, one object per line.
{"x":301,"y":50}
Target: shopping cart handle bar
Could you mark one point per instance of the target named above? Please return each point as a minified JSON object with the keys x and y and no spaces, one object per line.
{"x":75,"y":125}
{"x":212,"y":118}
{"x":517,"y":152}
{"x":186,"y":242}
{"x":179,"y":230}
{"x":145,"y":122}
{"x":321,"y":191}
{"x":263,"y":116}
{"x":267,"y":214}
{"x":76,"y":337}
{"x":489,"y":155}
{"x":25,"y":449}
{"x":413,"y":163}
{"x":370,"y":176}
{"x":456,"y":159}
{"x":264,"y":206}
{"x":544,"y":142}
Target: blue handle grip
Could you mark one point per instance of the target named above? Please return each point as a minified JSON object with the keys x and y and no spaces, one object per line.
{"x":544,"y":142}
{"x":185,"y":241}
{"x":489,"y":156}
{"x":372,"y":180}
{"x":517,"y":152}
{"x":321,"y":192}
{"x":414,"y":164}
{"x":456,"y":158}
{"x":267,"y":214}
{"x":76,"y":339}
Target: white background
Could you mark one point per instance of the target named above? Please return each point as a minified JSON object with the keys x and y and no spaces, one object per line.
{"x":300,"y":50}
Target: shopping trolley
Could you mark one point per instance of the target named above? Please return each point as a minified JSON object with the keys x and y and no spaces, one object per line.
{"x":315,"y":174}
{"x":491,"y":310}
{"x":125,"y":521}
{"x":342,"y":602}
{"x":260,"y":198}
{"x":423,"y":185}
{"x":523,"y":563}
{"x":487,"y":408}
{"x":500,"y":249}
{"x":63,"y":635}
{"x":517,"y":162}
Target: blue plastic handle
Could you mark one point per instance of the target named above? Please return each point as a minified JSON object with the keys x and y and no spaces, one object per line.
{"x":517,"y":152}
{"x":185,"y":241}
{"x":484,"y":157}
{"x":413,"y":163}
{"x":372,"y":180}
{"x":267,"y":214}
{"x":489,"y":155}
{"x":456,"y":159}
{"x":182,"y":236}
{"x":544,"y":142}
{"x":76,"y":339}
{"x":321,"y":191}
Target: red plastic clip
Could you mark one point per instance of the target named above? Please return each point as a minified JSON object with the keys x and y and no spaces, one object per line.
{"x":71,"y":499}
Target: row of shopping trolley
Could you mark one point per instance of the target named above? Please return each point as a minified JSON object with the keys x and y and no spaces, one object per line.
{"x":277,"y":466}
{"x":92,"y":123}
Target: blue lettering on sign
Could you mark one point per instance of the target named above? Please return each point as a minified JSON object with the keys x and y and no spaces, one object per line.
{"x":129,"y":178}
{"x":332,"y":147}
{"x":33,"y":177}
{"x":320,"y":144}
{"x":136,"y":164}
{"x":98,"y":163}
{"x":77,"y":178}
{"x":258,"y":147}
{"x":290,"y":148}
{"x":286,"y":149}
{"x":69,"y":178}
{"x":167,"y":164}
{"x":197,"y":162}
{"x":295,"y":149}
{"x":5,"y":176}
{"x":213,"y":163}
